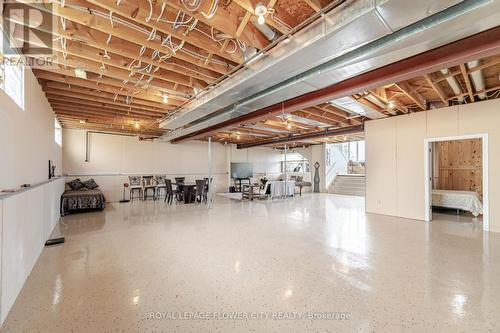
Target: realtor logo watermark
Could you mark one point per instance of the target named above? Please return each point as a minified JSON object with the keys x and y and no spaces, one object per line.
{"x":28,"y":33}
{"x":247,"y":315}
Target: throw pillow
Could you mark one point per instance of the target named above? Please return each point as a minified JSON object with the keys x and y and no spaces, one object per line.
{"x":90,"y":184}
{"x":76,"y":184}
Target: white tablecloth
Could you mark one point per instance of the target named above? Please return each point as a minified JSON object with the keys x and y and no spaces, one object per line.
{"x":278,"y":188}
{"x":464,"y":200}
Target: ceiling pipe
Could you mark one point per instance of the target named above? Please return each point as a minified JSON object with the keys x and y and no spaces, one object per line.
{"x":306,"y":136}
{"x":486,"y":43}
{"x":452,"y":81}
{"x":477,"y":78}
{"x":347,"y":63}
{"x":269,"y":33}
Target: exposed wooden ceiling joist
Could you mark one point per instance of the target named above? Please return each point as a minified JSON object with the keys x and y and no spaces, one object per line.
{"x":132,"y":10}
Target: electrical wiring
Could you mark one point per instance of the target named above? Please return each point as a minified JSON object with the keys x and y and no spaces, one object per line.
{"x":152,"y":35}
{"x":192,"y":5}
{"x":111,"y":19}
{"x":167,"y":41}
{"x":235,"y":47}
{"x":163,"y":6}
{"x":212,"y":10}
{"x":278,"y":20}
{"x":150,"y":11}
{"x":179,"y":22}
{"x":63,"y":23}
{"x":191,"y":27}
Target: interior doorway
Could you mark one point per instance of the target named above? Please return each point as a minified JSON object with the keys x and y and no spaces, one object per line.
{"x":456,"y":177}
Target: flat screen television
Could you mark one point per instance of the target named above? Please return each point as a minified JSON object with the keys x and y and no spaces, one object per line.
{"x":241,"y":170}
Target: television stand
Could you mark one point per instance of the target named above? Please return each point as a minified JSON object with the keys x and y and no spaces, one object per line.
{"x":239,"y":182}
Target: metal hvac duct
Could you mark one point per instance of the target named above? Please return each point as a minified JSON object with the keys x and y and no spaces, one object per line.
{"x":266,"y":31}
{"x":452,"y":81}
{"x":357,"y":37}
{"x":477,"y":78}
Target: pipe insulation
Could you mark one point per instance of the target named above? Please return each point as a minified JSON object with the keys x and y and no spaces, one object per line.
{"x":477,"y":78}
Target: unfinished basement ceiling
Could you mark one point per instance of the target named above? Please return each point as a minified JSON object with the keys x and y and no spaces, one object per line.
{"x":131,"y":81}
{"x":356,"y":37}
{"x":123,"y":65}
{"x":421,"y":93}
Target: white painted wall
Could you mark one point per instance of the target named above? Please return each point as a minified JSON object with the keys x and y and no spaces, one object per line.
{"x":395,"y":156}
{"x":27,"y":218}
{"x":27,"y":137}
{"x":112,"y":158}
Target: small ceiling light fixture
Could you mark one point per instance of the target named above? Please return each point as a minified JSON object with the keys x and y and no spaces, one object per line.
{"x":261,"y":19}
{"x":165,"y":99}
{"x":391,"y":105}
{"x":289,"y":126}
{"x":82,"y":121}
{"x":137,"y":124}
{"x":260,"y":11}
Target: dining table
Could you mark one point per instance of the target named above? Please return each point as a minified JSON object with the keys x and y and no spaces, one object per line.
{"x":189,"y":191}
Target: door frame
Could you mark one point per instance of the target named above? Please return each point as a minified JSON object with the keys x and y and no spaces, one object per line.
{"x":427,"y":174}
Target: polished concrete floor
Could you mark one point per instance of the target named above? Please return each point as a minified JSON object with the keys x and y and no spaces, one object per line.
{"x":262,"y":266}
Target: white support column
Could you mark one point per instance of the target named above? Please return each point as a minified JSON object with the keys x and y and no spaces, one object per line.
{"x":284,"y":172}
{"x":210,"y":180}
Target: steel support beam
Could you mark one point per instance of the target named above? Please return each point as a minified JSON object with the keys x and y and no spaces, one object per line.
{"x":305,"y":136}
{"x":477,"y":46}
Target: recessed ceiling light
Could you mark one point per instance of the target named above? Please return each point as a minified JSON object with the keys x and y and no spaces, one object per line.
{"x":82,"y":121}
{"x":165,"y":99}
{"x":391,"y":105}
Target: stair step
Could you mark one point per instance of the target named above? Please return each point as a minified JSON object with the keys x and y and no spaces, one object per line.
{"x":348,"y":185}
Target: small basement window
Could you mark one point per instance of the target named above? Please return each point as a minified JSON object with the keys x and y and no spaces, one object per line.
{"x":12,"y":77}
{"x":57,"y":133}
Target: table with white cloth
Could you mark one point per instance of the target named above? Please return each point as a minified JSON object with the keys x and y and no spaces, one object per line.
{"x":277,"y":188}
{"x":465,"y":200}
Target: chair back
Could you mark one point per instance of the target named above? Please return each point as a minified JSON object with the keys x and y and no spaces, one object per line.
{"x":200,"y":186}
{"x":208,"y":182}
{"x":180,"y":179}
{"x":134,"y":180}
{"x":168,"y":187}
{"x":160,"y":179}
{"x":147,"y":180}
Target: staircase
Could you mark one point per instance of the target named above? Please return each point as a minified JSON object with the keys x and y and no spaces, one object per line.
{"x":348,"y":185}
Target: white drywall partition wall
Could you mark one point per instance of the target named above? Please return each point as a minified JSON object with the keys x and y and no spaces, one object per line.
{"x":395,"y":156}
